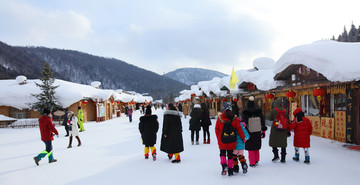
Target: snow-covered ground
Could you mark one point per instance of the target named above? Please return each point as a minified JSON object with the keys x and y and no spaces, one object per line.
{"x":112,"y":153}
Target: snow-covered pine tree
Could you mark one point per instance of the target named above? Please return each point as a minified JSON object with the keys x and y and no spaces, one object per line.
{"x":344,"y":36}
{"x":353,"y":33}
{"x":46,"y":98}
{"x":358,"y":35}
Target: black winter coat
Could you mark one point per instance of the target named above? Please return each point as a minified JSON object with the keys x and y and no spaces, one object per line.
{"x":172,"y":128}
{"x":148,"y":128}
{"x":205,"y":118}
{"x":195,"y":120}
{"x":254,"y":142}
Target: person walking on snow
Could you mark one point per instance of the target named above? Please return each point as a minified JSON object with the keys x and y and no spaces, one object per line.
{"x":80,"y":117}
{"x":253,"y":145}
{"x":148,"y":128}
{"x":302,"y":130}
{"x":73,"y":127}
{"x":278,"y":138}
{"x":172,"y":140}
{"x":185,"y":109}
{"x":129,"y":113}
{"x":46,"y":131}
{"x":239,"y":150}
{"x":65,"y":124}
{"x":195,"y":123}
{"x":227,"y":149}
{"x":205,"y":122}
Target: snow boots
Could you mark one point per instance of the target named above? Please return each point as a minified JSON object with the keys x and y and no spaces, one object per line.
{"x":208,"y":141}
{"x":276,"y":154}
{"x":296,"y":158}
{"x":307,"y":160}
{"x":224,"y":169}
{"x":205,"y":141}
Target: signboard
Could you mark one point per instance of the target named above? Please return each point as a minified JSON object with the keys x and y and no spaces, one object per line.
{"x":340,"y":126}
{"x":327,"y":128}
{"x":100,"y":110}
{"x":349,"y":118}
{"x":315,"y":122}
{"x":292,"y":109}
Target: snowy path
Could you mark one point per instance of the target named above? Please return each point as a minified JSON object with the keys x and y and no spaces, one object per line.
{"x":112,"y":153}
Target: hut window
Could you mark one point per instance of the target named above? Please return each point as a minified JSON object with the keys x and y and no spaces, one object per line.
{"x":340,"y":102}
{"x":19,"y":114}
{"x":310,"y":105}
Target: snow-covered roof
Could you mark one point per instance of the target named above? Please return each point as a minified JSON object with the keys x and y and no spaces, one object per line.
{"x":5,"y":118}
{"x":337,"y":61}
{"x":68,"y":93}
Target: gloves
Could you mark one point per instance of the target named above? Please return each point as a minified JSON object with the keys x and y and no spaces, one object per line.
{"x":288,"y":133}
{"x":263,"y":134}
{"x":57,"y":136}
{"x":244,"y":140}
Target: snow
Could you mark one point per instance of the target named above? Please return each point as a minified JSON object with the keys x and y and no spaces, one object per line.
{"x":68,"y":93}
{"x":5,"y":118}
{"x":264,"y":63}
{"x":112,"y":153}
{"x":337,"y":61}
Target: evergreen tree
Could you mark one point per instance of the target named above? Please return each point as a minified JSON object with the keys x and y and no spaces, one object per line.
{"x":345,"y":36}
{"x":46,"y":98}
{"x":353,"y":33}
{"x":358,"y":35}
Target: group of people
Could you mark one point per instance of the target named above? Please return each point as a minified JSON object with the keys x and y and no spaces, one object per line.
{"x":48,"y":130}
{"x":253,"y":125}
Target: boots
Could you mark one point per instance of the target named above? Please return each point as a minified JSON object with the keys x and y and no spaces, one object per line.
{"x":224,"y":169}
{"x":283,"y":155}
{"x":79,"y":142}
{"x":276,"y":154}
{"x":70,"y":142}
{"x":230,"y":172}
{"x":197,"y":143}
{"x":244,"y":167}
{"x":208,"y":141}
{"x":205,"y":141}
{"x":307,"y":160}
{"x":296,"y":158}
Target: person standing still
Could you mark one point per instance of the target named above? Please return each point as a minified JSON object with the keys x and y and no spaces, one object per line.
{"x":65,"y":122}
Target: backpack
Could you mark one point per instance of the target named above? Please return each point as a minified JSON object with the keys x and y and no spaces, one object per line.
{"x":281,"y":122}
{"x":254,"y":124}
{"x":228,"y":134}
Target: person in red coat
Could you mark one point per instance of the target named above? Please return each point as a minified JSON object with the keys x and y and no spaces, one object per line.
{"x":226,"y":149}
{"x":302,"y":130}
{"x":47,"y":129}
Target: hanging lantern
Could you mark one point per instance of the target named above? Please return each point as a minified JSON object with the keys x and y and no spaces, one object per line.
{"x":217,"y":100}
{"x":319,"y":93}
{"x":193,"y":95}
{"x":291,"y":94}
{"x":270,"y":96}
{"x":85,"y":102}
{"x":235,"y":99}
{"x":118,"y":102}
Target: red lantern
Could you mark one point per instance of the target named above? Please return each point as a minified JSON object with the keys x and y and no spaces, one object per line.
{"x":193,"y":95}
{"x":118,"y":102}
{"x":235,"y":99}
{"x":217,"y":100}
{"x":290,"y":94}
{"x":85,"y":102}
{"x":319,"y":93}
{"x":270,"y":96}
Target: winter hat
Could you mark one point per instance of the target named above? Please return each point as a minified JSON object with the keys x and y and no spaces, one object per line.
{"x":197,"y":106}
{"x":297,"y":111}
{"x":148,"y":109}
{"x":70,"y":113}
{"x":226,"y":106}
{"x":46,"y":111}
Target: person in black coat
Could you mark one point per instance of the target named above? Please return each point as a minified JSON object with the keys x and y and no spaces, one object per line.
{"x":65,"y":122}
{"x":195,"y":123}
{"x":235,"y":109}
{"x":148,"y":128}
{"x":205,"y":122}
{"x":253,"y":145}
{"x":172,"y":140}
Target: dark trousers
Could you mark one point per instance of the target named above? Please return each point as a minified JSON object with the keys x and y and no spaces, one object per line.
{"x":228,"y":153}
{"x":206,"y":131}
{"x":66,"y":129}
{"x":196,"y":132}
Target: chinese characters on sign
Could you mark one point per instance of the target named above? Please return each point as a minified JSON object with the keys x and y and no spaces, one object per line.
{"x":340,"y":126}
{"x":315,"y":122}
{"x":349,"y":120}
{"x":293,"y":107}
{"x":327,"y":128}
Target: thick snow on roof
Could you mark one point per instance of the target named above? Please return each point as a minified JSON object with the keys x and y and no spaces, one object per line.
{"x":262,"y":78}
{"x":264,"y":63}
{"x":337,"y":61}
{"x":68,"y":93}
{"x":5,"y":118}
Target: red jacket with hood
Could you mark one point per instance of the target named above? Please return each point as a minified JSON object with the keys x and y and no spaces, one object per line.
{"x":47,"y":128}
{"x":219,"y":127}
{"x":302,"y":131}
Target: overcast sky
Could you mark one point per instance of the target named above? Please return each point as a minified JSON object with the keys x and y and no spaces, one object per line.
{"x":162,"y":36}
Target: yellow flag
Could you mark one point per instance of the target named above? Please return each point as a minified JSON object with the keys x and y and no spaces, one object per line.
{"x":233,"y":80}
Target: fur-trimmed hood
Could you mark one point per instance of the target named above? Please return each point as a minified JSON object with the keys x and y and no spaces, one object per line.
{"x":172,"y":112}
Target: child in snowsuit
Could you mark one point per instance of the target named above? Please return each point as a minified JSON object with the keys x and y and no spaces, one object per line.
{"x":302,"y":130}
{"x":148,"y":128}
{"x":239,"y":151}
{"x":227,"y":149}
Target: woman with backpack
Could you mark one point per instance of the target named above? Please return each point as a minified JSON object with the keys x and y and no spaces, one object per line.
{"x":278,"y":136}
{"x":255,"y":124}
{"x":226,"y":127}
